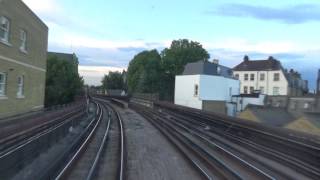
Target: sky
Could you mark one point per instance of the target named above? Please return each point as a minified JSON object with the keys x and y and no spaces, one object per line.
{"x":106,"y":34}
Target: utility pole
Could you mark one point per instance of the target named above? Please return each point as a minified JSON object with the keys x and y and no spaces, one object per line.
{"x":318,"y":84}
{"x":317,"y":99}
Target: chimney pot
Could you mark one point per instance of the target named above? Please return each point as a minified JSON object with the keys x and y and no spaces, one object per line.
{"x":246,"y":58}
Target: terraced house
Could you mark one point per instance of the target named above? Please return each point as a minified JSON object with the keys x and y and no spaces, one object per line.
{"x":269,"y":77}
{"x":23,"y":52}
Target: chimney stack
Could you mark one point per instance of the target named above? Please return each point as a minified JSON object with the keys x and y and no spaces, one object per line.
{"x":271,"y":58}
{"x":215,"y":61}
{"x":246,"y":58}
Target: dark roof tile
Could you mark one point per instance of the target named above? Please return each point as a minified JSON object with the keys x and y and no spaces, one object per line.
{"x":258,"y":65}
{"x":207,"y":68}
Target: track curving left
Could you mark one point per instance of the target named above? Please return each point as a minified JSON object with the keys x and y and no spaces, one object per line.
{"x":87,"y":162}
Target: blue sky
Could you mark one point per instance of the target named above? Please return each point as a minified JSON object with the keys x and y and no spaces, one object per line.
{"x":107,"y":34}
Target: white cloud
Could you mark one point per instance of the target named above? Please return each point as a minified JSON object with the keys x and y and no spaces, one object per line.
{"x":242,"y":45}
{"x":85,"y":41}
{"x":93,"y":75}
{"x":43,"y":6}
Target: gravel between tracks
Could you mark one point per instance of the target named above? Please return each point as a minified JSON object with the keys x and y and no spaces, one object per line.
{"x":150,"y":156}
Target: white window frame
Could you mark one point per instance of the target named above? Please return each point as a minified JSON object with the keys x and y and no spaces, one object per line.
{"x":6,"y":30}
{"x":246,"y":77}
{"x":236,"y":76}
{"x":251,"y":89}
{"x":276,"y":91}
{"x":274,"y":77}
{"x":20,"y":89}
{"x":3,"y":85}
{"x":245,"y":90}
{"x":23,"y":40}
{"x":262,"y":77}
{"x":196,"y":90}
{"x":261,"y":90}
{"x":251,"y":77}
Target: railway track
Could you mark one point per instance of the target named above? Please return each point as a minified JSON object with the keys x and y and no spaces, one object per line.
{"x":18,"y":137}
{"x":20,"y":148}
{"x":298,"y":159}
{"x":201,"y":133}
{"x":88,"y":161}
{"x":219,"y":168}
{"x":296,"y":165}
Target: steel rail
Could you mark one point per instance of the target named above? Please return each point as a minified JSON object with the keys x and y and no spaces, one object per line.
{"x":226,"y":171}
{"x":9,"y":142}
{"x":193,"y":132}
{"x":99,"y":153}
{"x":229,"y":122}
{"x":268,"y":152}
{"x":71,"y":162}
{"x":37,"y":136}
{"x":121,"y":169}
{"x":184,"y":153}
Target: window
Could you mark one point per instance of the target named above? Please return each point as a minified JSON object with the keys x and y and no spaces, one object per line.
{"x":261,"y":90}
{"x":4,"y":29}
{"x":196,"y":90}
{"x":251,"y":89}
{"x":2,"y":84}
{"x":23,"y":39}
{"x":218,"y":70}
{"x":245,"y":90}
{"x":276,"y":91}
{"x":276,"y":77}
{"x":306,"y":105}
{"x":246,"y":77}
{"x":293,"y":105}
{"x":262,"y":77}
{"x":20,"y":91}
{"x":251,"y":77}
{"x":236,"y":76}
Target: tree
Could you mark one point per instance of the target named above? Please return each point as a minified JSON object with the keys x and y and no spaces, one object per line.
{"x":114,"y":80}
{"x":174,"y":60}
{"x":149,"y":72}
{"x":62,"y":81}
{"x":144,"y":72}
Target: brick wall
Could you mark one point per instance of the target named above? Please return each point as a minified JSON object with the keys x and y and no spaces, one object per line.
{"x":14,"y":63}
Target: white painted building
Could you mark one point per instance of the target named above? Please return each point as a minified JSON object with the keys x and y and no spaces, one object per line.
{"x":243,"y":100}
{"x":207,"y":86}
{"x":268,"y":77}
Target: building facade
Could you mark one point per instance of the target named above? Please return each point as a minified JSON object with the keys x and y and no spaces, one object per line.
{"x":207,"y":86}
{"x":268,"y":77}
{"x":72,"y":58}
{"x":23,"y":47}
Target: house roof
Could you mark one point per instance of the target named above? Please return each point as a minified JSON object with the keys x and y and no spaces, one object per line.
{"x":258,"y":65}
{"x":114,"y":92}
{"x":65,"y":56}
{"x":207,"y":68}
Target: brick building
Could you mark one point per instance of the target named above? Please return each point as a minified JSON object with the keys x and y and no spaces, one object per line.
{"x":23,"y":48}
